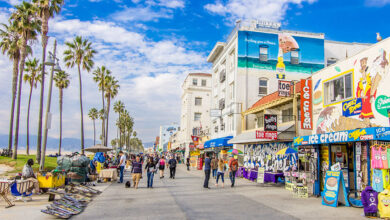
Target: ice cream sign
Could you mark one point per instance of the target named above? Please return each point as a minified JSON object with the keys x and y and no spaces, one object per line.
{"x":382,"y":104}
{"x":306,"y":105}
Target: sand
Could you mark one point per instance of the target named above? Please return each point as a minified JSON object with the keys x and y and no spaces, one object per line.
{"x":4,"y":168}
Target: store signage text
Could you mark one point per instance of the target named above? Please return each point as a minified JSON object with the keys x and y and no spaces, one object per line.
{"x":352,"y":107}
{"x":382,"y":104}
{"x":306,"y":105}
{"x":284,"y":88}
{"x":270,"y":122}
{"x":270,"y":135}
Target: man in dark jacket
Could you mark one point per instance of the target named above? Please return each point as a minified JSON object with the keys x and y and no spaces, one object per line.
{"x":172,"y":167}
{"x":207,"y":168}
{"x":136,"y":171}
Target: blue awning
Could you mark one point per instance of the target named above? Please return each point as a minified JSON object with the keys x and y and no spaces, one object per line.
{"x":218,"y":142}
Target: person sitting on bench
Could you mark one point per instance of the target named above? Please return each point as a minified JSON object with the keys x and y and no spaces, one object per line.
{"x":28,"y":174}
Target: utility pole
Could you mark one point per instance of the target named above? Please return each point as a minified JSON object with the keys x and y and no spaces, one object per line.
{"x":43,"y":151}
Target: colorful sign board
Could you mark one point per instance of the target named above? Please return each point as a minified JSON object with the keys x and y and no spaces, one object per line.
{"x":334,"y":186}
{"x":270,"y":122}
{"x":306,"y":104}
{"x":364,"y":134}
{"x":269,"y":135}
{"x":352,"y":107}
{"x":284,"y":88}
{"x":260,"y":175}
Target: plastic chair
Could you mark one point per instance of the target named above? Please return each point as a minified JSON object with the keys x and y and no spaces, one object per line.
{"x":18,"y":195}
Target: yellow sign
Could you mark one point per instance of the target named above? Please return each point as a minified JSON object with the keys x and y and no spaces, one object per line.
{"x":351,"y":106}
{"x":356,"y":134}
{"x":195,"y":153}
{"x":298,"y":140}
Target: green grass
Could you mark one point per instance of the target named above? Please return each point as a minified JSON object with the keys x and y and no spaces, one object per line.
{"x":50,"y":163}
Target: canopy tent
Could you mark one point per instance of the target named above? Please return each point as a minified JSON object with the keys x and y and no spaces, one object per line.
{"x":98,"y":148}
{"x":218,"y":142}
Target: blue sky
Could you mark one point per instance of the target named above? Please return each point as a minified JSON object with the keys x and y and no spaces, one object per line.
{"x":150,"y":46}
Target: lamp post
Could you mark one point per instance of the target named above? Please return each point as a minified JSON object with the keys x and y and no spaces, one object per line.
{"x":54,"y":67}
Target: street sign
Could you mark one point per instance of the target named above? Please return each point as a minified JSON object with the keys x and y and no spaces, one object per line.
{"x":270,"y":122}
{"x":270,"y":135}
{"x":215,"y":113}
{"x":284,"y":88}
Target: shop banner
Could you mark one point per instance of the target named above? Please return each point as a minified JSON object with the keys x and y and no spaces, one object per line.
{"x":364,"y":134}
{"x":284,"y":88}
{"x":270,"y":122}
{"x":334,"y":189}
{"x":306,"y":105}
{"x":352,"y":107}
{"x":195,"y":140}
{"x":269,"y":135}
{"x":260,"y":175}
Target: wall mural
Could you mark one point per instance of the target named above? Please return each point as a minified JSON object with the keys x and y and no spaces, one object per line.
{"x":370,"y":102}
{"x":263,"y":155}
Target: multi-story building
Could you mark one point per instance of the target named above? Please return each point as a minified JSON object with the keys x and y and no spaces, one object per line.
{"x":166,"y":132}
{"x":254,"y":58}
{"x":195,"y":108}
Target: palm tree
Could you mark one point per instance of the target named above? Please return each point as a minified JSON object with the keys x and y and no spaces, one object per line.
{"x":46,"y":9}
{"x":10,"y":45}
{"x":93,"y":115}
{"x":32,"y":79}
{"x":102,"y":115}
{"x":62,"y":82}
{"x":27,"y":26}
{"x":80,"y":53}
{"x":100,"y":77}
{"x":118,"y":108}
{"x":111,"y":90}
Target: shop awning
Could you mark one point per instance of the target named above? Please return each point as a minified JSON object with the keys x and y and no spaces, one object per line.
{"x":218,"y":142}
{"x":361,"y":134}
{"x":285,"y":133}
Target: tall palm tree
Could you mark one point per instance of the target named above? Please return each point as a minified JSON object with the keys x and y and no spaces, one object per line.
{"x":32,"y":79}
{"x":100,"y":77}
{"x":80,"y":53}
{"x":10,"y":45}
{"x":118,"y":108}
{"x":46,"y":9}
{"x":93,"y":115}
{"x":62,"y":82}
{"x":102,"y":115}
{"x":27,"y":26}
{"x":111,"y":90}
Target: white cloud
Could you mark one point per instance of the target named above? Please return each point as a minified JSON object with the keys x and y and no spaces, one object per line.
{"x":273,"y":10}
{"x":141,"y":14}
{"x":12,"y":2}
{"x":172,"y":3}
{"x":377,"y":3}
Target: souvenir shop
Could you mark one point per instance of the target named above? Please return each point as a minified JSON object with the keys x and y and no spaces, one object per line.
{"x":218,"y":147}
{"x":360,"y":154}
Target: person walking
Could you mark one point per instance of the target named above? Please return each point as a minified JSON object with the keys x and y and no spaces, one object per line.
{"x":161,"y":166}
{"x":172,"y":167}
{"x":150,"y":168}
{"x":214,"y":166}
{"x":136,"y":171}
{"x":221,"y":172}
{"x":233,"y":167}
{"x":188,"y":163}
{"x":207,"y":167}
{"x":122,"y":164}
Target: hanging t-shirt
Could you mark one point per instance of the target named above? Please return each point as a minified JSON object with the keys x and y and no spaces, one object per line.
{"x":384,"y":157}
{"x":386,"y":178}
{"x":388,"y":157}
{"x":383,"y":204}
{"x":376,"y":158}
{"x":377,"y":180}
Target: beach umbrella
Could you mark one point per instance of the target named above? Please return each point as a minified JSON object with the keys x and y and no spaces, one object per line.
{"x":98,"y":148}
{"x":287,"y":150}
{"x":234,"y":151}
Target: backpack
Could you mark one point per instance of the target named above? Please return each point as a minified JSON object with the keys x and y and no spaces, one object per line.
{"x":234,"y":165}
{"x":173,"y":163}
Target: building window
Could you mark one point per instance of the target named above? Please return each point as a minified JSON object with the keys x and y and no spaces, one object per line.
{"x":263,"y":86}
{"x":195,"y":82}
{"x":222,"y":76}
{"x":216,"y":129}
{"x":338,"y":89}
{"x":198,"y":101}
{"x":204,"y":82}
{"x":263,"y":53}
{"x":222,"y":104}
{"x":295,"y":56}
{"x":287,"y":115}
{"x":331,"y":61}
{"x":197,"y":116}
{"x":195,"y":131}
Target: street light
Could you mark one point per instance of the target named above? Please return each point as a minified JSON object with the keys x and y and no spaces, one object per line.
{"x":57,"y":68}
{"x":50,"y":61}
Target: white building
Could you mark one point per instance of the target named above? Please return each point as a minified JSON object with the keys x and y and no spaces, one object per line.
{"x":166,"y":132}
{"x":245,"y":67}
{"x":195,"y":108}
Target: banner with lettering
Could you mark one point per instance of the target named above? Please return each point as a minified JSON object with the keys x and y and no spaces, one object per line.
{"x":270,"y":122}
{"x":352,"y":107}
{"x":306,"y":105}
{"x":334,"y":191}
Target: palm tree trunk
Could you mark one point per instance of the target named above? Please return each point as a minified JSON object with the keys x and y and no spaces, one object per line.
{"x":94,"y":133}
{"x":21,"y":69}
{"x":81,"y":111}
{"x":59,"y":147}
{"x":108,"y":114}
{"x":14,"y":88}
{"x":40,"y":116}
{"x":28,"y":121}
{"x":104,"y":111}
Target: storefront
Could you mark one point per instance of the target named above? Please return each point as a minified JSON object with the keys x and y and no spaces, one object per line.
{"x":218,"y":146}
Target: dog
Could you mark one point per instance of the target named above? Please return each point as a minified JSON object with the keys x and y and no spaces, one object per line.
{"x":128,"y":184}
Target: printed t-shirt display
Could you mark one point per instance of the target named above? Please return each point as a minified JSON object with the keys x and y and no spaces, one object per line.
{"x":377,"y":180}
{"x":383,"y":150}
{"x":383,"y":204}
{"x":376,"y":159}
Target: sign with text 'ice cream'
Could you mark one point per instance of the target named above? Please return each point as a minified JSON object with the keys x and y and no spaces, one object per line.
{"x":306,"y":105}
